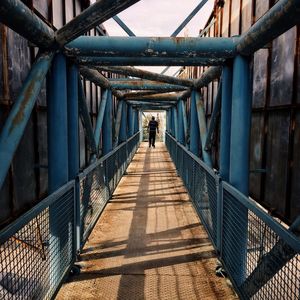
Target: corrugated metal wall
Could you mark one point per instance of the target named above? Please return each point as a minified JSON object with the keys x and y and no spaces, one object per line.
{"x":275,"y":136}
{"x":27,"y":179}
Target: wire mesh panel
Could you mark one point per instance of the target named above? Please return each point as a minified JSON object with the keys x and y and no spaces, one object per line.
{"x":268,"y":267}
{"x":201,"y":182}
{"x":37,"y":250}
{"x":98,"y":182}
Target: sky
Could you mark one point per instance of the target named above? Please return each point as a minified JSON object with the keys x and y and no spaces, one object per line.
{"x":161,"y":18}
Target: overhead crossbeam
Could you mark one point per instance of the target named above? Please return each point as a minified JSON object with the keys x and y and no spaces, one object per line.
{"x":131,"y":84}
{"x":144,"y":93}
{"x":149,"y":61}
{"x":130,"y":71}
{"x":95,"y":14}
{"x":161,"y":97}
{"x":174,"y":47}
{"x":97,"y":78}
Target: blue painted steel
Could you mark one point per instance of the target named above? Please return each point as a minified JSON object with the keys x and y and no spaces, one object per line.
{"x":130,"y":71}
{"x":202,"y":127}
{"x":175,"y":120}
{"x":118,"y":122}
{"x":130,"y":120}
{"x":153,"y":47}
{"x":136,"y":120}
{"x":57,"y":118}
{"x":189,"y":18}
{"x":94,"y":15}
{"x":85,"y":119}
{"x":19,"y":115}
{"x":107,"y":145}
{"x":57,"y":125}
{"x":180,"y":136}
{"x":239,"y":149}
{"x":131,"y":84}
{"x":213,"y":118}
{"x":123,"y":26}
{"x":225,"y":122}
{"x":194,"y":126}
{"x":185,"y":122}
{"x":123,"y":129}
{"x":73,"y":124}
{"x":25,"y":22}
{"x":149,"y":61}
{"x":100,"y":118}
{"x":281,"y":17}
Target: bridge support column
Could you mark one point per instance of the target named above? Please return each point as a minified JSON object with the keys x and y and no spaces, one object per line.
{"x":194,"y":126}
{"x":180,"y":122}
{"x":107,"y":145}
{"x":123,"y":129}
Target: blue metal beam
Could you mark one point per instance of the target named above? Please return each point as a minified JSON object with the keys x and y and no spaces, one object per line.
{"x":280,"y":18}
{"x":118,"y":122}
{"x":194,"y":126}
{"x":130,"y":121}
{"x":208,"y":76}
{"x":17,"y":16}
{"x":73,"y":121}
{"x":86,"y":120}
{"x":180,"y":137}
{"x":189,"y":18}
{"x":123,"y":129}
{"x":123,"y":26}
{"x":239,"y":155}
{"x":107,"y":142}
{"x":175,"y":120}
{"x":131,"y":84}
{"x":225,"y":122}
{"x":19,"y":115}
{"x":213,"y":119}
{"x":161,"y":97}
{"x":154,"y":47}
{"x":148,"y":61}
{"x":100,"y":118}
{"x":130,"y":71}
{"x":94,"y":15}
{"x":185,"y":123}
{"x":202,"y":127}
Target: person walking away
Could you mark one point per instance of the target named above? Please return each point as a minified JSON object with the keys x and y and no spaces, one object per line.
{"x":152,"y":128}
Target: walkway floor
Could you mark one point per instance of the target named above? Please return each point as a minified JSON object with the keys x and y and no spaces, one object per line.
{"x":148,"y":243}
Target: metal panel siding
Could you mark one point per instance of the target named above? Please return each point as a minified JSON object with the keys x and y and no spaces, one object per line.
{"x":277,"y":155}
{"x":260,"y":8}
{"x":225,"y":22}
{"x":69,"y":9}
{"x":282,"y":68}
{"x":295,"y":187}
{"x":235,"y":17}
{"x":256,"y":152}
{"x":260,"y":68}
{"x":246,"y":14}
{"x":57,"y":13}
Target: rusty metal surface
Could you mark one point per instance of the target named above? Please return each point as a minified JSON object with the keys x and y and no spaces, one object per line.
{"x":148,"y":243}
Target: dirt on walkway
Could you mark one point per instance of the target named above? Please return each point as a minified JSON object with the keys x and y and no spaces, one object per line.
{"x":148,"y":242}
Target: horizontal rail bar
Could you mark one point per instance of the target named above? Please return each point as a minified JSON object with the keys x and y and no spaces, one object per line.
{"x":186,"y":47}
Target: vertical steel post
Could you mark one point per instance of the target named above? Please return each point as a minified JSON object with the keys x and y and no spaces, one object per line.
{"x":107,"y":125}
{"x":123,"y":129}
{"x":73,"y":143}
{"x":180,"y":122}
{"x":136,"y":122}
{"x":185,"y":123}
{"x":130,"y":118}
{"x":175,"y":120}
{"x":202,"y":126}
{"x":239,"y":154}
{"x":118,"y":122}
{"x":194,"y":126}
{"x":225,"y":122}
{"x":57,"y":155}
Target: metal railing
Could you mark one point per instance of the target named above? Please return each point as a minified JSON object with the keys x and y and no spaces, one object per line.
{"x":260,"y":256}
{"x":39,"y":248}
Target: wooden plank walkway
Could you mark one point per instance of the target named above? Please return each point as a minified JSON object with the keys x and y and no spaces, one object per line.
{"x":148,"y":243}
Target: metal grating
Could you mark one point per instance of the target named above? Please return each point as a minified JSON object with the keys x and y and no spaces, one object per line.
{"x":37,"y":250}
{"x":98,"y":182}
{"x":260,"y":255}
